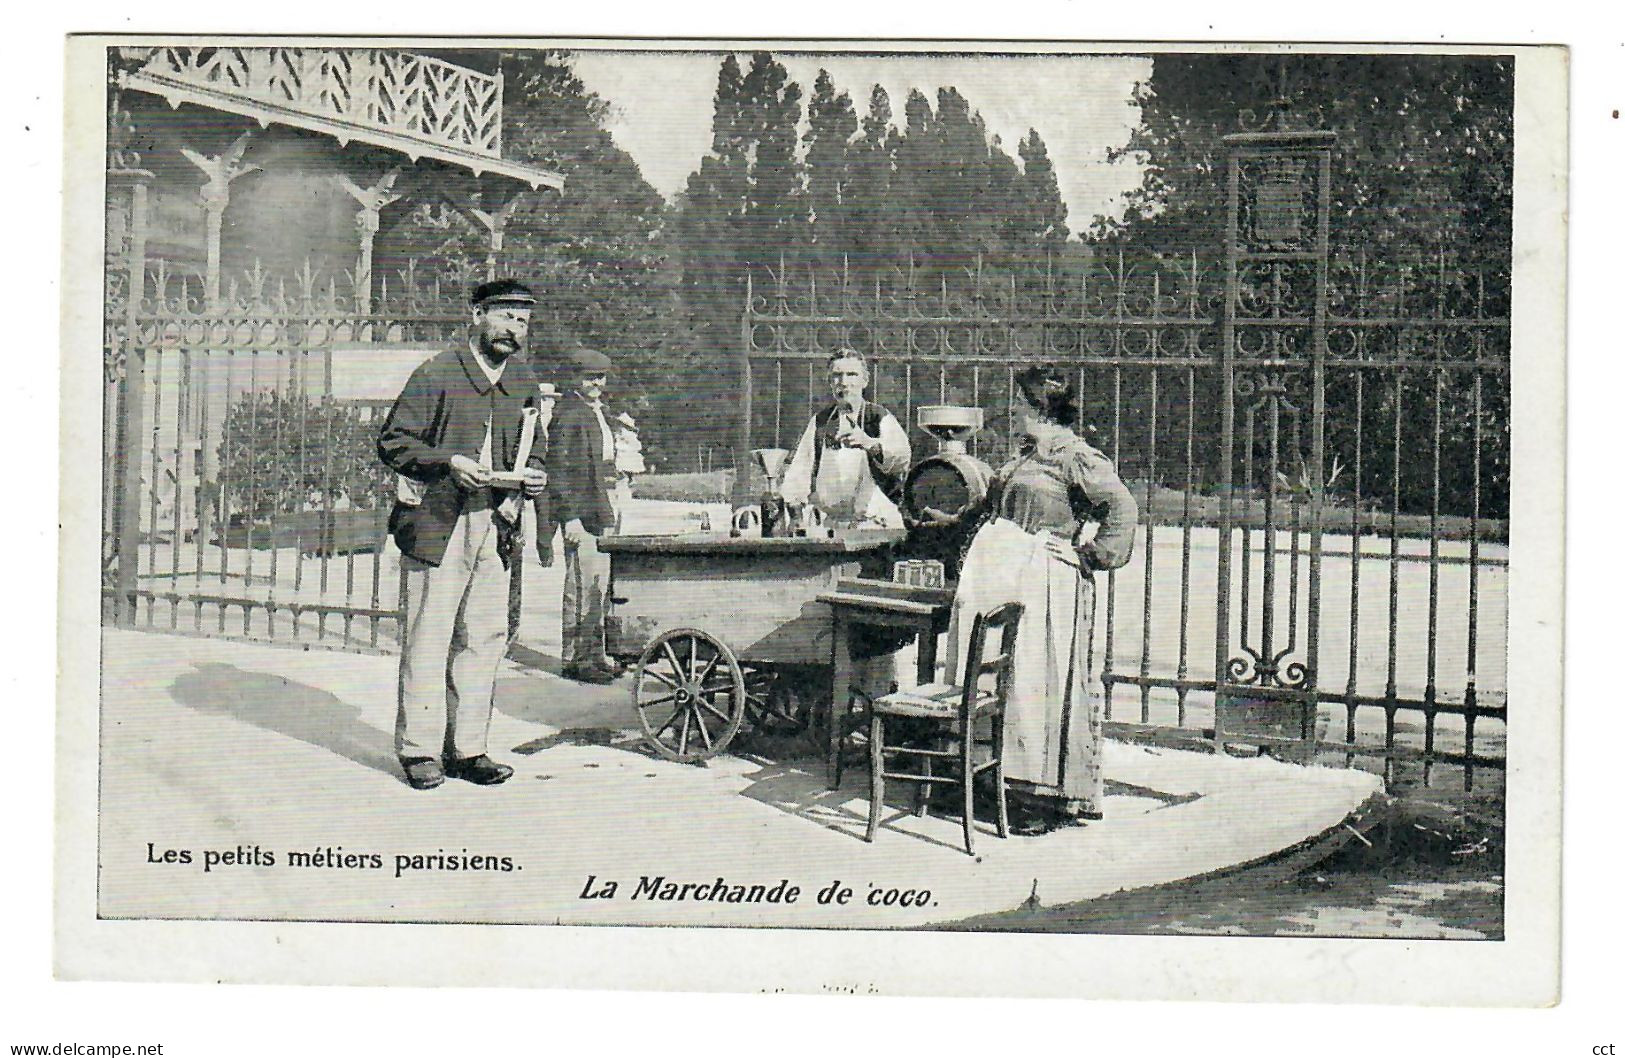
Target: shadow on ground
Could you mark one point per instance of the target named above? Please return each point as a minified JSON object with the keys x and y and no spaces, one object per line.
{"x":293,"y":710}
{"x":798,"y":788}
{"x":538,"y":697}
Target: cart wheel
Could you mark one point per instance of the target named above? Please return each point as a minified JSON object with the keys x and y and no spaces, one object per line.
{"x":777,"y":703}
{"x":689,"y":695}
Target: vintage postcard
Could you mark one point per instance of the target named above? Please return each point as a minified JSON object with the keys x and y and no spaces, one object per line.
{"x":916,"y":517}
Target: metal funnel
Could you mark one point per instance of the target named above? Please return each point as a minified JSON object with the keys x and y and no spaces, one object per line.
{"x":771,"y":460}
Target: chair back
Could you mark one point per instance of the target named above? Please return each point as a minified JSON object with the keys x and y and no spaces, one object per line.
{"x":1006,"y":621}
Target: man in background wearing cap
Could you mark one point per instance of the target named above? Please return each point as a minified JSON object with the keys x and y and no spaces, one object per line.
{"x":459,"y":418}
{"x":582,"y":473}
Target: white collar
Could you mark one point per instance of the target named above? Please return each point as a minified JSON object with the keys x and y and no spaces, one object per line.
{"x":493,"y":374}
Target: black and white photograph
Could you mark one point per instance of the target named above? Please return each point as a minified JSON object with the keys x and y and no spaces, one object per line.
{"x":831,"y":490}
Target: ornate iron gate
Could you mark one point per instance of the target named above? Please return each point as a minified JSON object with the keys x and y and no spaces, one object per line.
{"x":1263,"y":407}
{"x":1272,"y":358}
{"x":251,"y":502}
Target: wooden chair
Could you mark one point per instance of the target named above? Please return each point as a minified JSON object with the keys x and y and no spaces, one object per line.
{"x":951,"y":713}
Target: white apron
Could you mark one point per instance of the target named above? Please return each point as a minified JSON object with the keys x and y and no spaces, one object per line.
{"x":1053,"y":720}
{"x":846,"y":492}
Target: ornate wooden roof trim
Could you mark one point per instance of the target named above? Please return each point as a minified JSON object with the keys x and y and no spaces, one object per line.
{"x":420,"y":106}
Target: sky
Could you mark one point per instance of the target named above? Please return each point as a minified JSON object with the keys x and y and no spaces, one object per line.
{"x":661,"y":107}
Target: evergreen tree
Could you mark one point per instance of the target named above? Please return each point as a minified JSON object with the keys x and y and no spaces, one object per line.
{"x":874,"y":209}
{"x":831,"y":126}
{"x":1045,"y":212}
{"x":771,"y":111}
{"x":713,"y":204}
{"x":915,"y":178}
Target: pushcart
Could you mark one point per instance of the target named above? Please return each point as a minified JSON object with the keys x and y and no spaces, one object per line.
{"x":722,"y":629}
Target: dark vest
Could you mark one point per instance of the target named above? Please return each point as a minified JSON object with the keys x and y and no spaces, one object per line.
{"x":890,"y":485}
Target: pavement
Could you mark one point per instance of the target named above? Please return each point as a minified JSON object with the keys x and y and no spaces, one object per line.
{"x":221,"y":759}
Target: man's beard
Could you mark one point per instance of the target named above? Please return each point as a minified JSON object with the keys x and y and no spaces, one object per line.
{"x":499,"y":348}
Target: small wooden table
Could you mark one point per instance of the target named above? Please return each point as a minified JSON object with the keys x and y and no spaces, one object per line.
{"x":884,"y":604}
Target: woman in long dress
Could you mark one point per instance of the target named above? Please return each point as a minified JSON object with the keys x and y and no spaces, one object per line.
{"x":1035,"y":548}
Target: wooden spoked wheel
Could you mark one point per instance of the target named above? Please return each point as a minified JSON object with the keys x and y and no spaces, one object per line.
{"x":689,"y":694}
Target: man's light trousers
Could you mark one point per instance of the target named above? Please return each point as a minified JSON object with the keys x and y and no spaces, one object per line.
{"x":455,"y":638}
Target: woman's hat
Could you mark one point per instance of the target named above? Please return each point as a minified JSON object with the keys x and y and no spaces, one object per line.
{"x":547,"y":389}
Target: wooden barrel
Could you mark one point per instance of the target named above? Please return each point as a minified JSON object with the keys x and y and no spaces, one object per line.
{"x":950,"y":482}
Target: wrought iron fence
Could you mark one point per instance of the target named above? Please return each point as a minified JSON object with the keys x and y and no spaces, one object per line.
{"x":1412,"y":493}
{"x":263,"y":503}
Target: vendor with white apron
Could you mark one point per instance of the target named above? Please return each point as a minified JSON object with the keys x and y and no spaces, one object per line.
{"x":849,"y":466}
{"x":850,"y":461}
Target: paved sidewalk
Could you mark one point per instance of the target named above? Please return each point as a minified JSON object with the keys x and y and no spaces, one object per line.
{"x":212,"y":746}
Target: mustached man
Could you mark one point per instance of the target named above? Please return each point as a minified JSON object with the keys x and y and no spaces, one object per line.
{"x":459,"y":420}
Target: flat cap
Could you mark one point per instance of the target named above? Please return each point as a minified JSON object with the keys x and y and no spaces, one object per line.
{"x":589,"y":361}
{"x":502,"y":292}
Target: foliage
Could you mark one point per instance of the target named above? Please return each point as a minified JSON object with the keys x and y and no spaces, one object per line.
{"x":598,"y":254}
{"x":1421,"y":176}
{"x":864,"y":195}
{"x":282,"y":451}
{"x":1423,"y":157}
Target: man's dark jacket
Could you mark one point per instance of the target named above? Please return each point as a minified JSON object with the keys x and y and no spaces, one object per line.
{"x":440,"y":413}
{"x":578,"y":476}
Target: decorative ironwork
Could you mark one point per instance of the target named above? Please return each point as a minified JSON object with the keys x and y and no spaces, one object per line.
{"x":1110,"y":304}
{"x":1284,"y":108}
{"x":1247,"y":669}
{"x":422,"y":302}
{"x":1267,"y":386}
{"x":1279,"y":199}
{"x":1142,"y":333}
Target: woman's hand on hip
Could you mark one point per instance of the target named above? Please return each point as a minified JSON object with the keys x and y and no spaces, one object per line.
{"x":1064,"y":551}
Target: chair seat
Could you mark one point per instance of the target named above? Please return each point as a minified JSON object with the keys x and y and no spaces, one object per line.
{"x":930,"y":700}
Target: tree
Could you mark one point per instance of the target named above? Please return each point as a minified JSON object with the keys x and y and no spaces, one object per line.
{"x":770,"y":113}
{"x":283,"y":451}
{"x":831,"y":126}
{"x":1424,"y":152}
{"x":1421,"y":178}
{"x":873,"y":208}
{"x":1044,"y":211}
{"x":599,"y":253}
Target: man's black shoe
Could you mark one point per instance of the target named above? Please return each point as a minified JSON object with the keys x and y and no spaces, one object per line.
{"x":610,"y":665}
{"x":424,"y":773}
{"x":480,"y":770}
{"x":588,"y":674}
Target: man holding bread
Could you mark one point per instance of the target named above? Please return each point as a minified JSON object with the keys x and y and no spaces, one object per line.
{"x":461,"y":436}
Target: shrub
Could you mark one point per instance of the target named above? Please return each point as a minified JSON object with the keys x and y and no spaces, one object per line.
{"x":284,"y":451}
